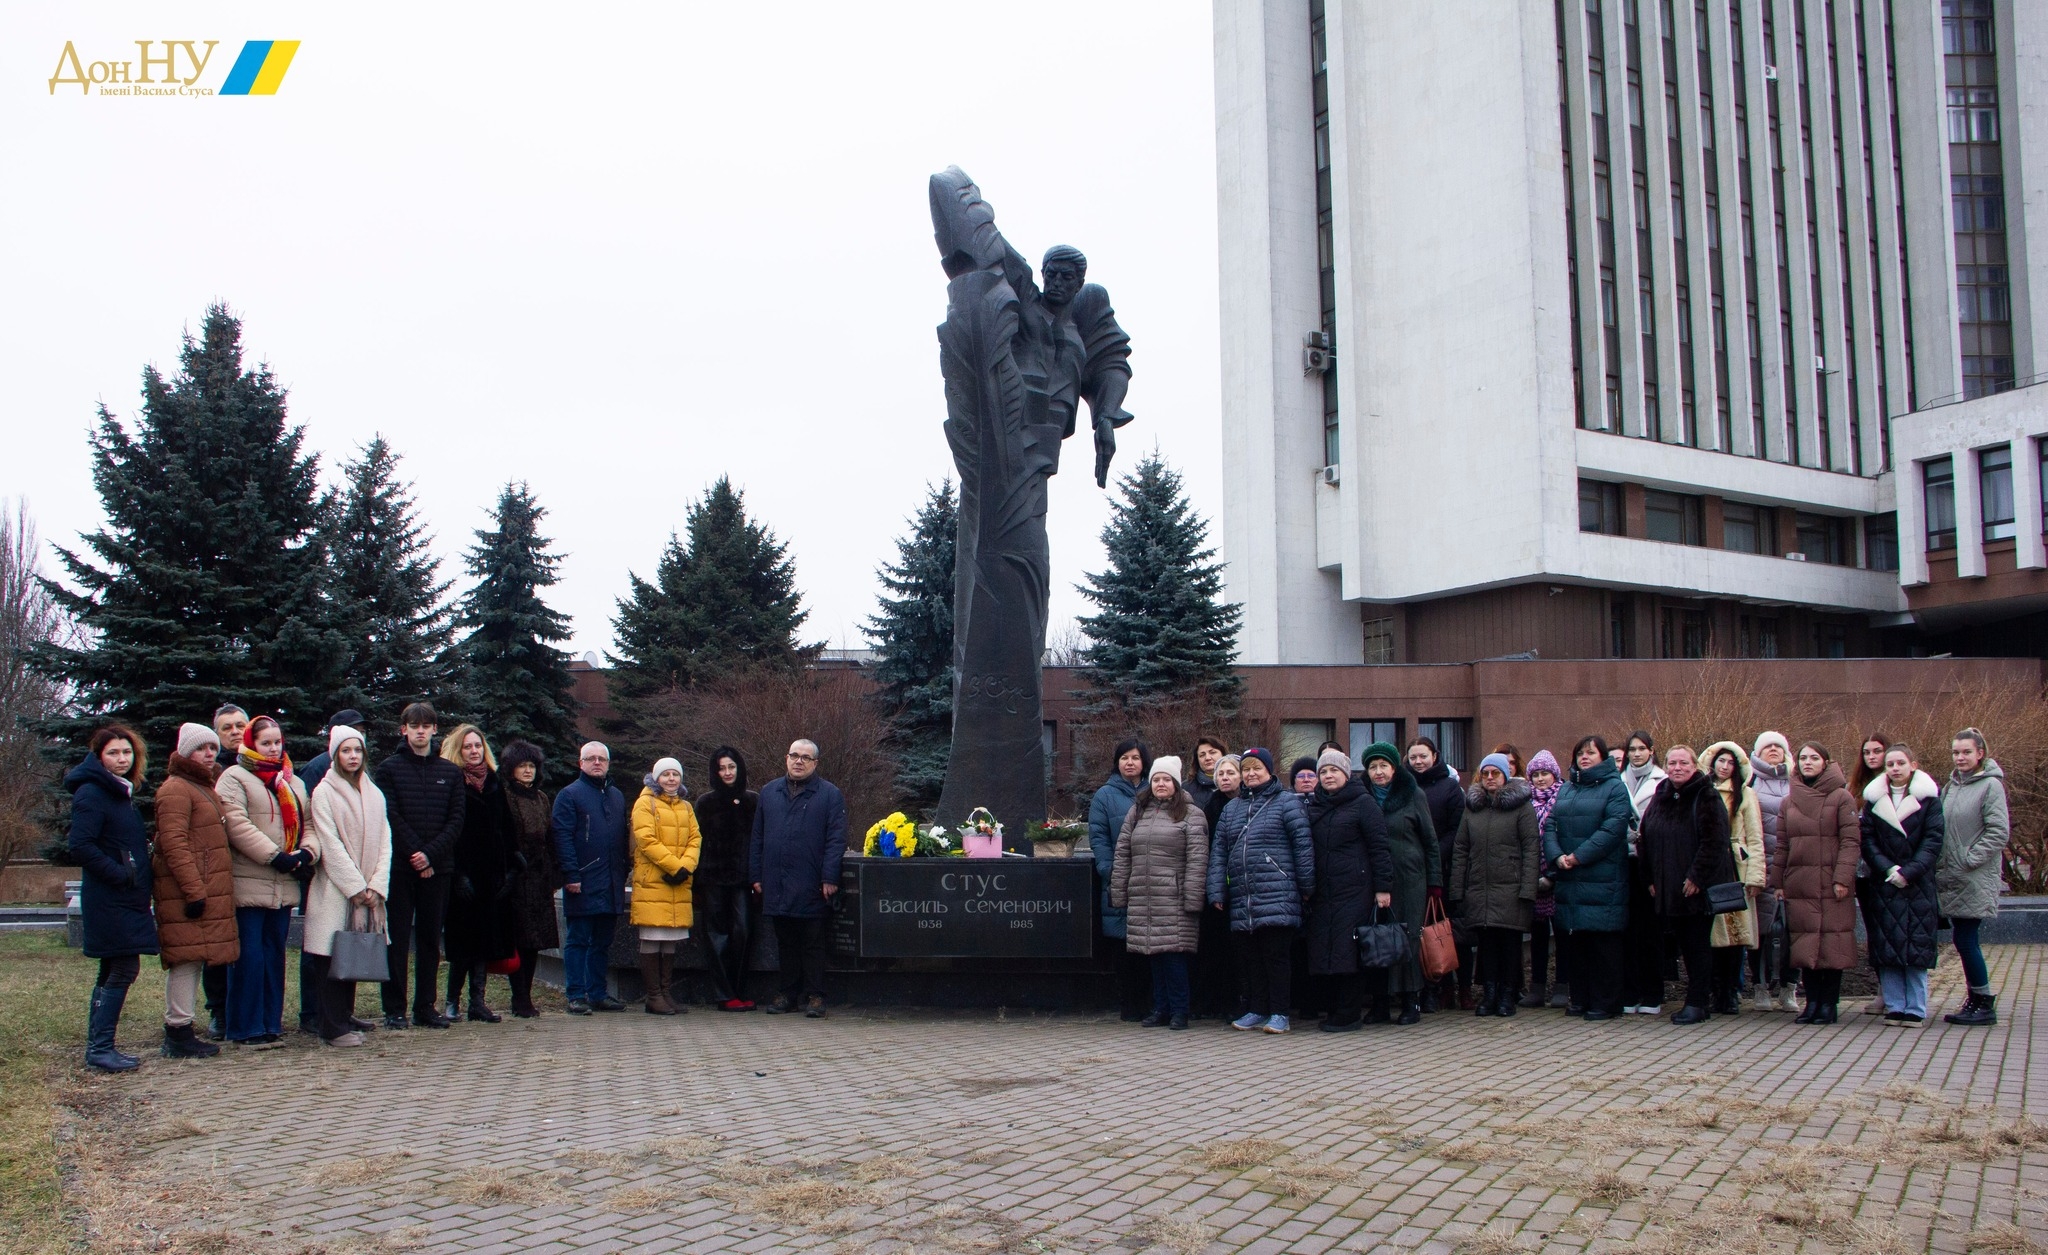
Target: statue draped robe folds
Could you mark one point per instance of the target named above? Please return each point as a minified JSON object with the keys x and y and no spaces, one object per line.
{"x":1016,"y":369}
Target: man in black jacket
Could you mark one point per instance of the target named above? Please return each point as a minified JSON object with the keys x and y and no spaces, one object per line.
{"x":423,"y":800}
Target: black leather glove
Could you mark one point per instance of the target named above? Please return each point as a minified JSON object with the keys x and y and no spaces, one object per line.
{"x":464,"y":889}
{"x":676,"y":877}
{"x":284,"y":862}
{"x":193,"y":910}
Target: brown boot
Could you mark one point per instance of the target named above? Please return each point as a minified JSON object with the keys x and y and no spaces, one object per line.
{"x":657,"y":988}
{"x":668,"y":984}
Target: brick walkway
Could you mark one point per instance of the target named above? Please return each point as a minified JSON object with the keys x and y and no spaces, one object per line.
{"x":919,"y":1132}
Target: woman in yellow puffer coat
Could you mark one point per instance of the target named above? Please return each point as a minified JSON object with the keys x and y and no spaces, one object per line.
{"x":665,"y":849}
{"x":1735,"y":933}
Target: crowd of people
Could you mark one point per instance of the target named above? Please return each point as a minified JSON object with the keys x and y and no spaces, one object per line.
{"x":445,"y":842}
{"x":1748,"y":868}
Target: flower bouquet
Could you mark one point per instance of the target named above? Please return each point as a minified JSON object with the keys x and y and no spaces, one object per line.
{"x":1055,"y":838}
{"x":981,"y":835}
{"x":893,"y":836}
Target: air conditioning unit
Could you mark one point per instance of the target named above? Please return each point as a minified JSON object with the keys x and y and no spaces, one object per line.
{"x":1795,"y":556}
{"x":1332,"y":475}
{"x":1820,"y":364}
{"x":1316,"y":354}
{"x":1770,"y":73}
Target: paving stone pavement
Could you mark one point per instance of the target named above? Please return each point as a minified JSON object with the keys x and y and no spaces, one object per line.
{"x":909,"y":1131}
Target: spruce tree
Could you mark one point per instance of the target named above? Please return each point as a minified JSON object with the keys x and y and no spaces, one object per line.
{"x":388,"y":595}
{"x":206,"y":583}
{"x":913,"y":638}
{"x":723,"y":599}
{"x":514,"y":682}
{"x":1163,"y":632}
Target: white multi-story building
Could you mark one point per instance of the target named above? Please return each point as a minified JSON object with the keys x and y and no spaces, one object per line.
{"x":1591,"y":328}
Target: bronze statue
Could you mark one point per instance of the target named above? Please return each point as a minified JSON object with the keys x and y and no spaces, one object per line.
{"x":1017,"y":362}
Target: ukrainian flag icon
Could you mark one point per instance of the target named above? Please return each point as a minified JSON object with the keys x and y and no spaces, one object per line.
{"x":260,"y":68}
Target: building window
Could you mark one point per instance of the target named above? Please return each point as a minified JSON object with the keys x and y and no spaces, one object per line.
{"x":1881,"y":542}
{"x":1759,"y":636}
{"x":1830,"y":640}
{"x":1747,"y":528}
{"x":1379,"y":641}
{"x":1976,"y":163}
{"x":1994,"y":487}
{"x":1326,"y":239}
{"x":1365,"y":731}
{"x":1973,"y":115}
{"x":1048,"y":737}
{"x":1823,"y":538}
{"x":1685,"y":634}
{"x":1298,"y":739}
{"x":1621,"y":627}
{"x":1674,"y":518}
{"x":1453,"y":739}
{"x":1939,"y":477}
{"x":1600,"y":508}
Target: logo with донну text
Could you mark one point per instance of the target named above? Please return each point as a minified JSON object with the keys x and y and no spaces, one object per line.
{"x":257,"y":70}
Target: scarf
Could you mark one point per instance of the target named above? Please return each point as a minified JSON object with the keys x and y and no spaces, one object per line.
{"x":476,"y":775}
{"x":276,"y":775}
{"x":1542,"y":799}
{"x":1380,"y":792}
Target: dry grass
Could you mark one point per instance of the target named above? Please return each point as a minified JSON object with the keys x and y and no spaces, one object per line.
{"x":368,"y":1168}
{"x":174,"y":1129}
{"x":690,"y":1146}
{"x":1241,"y":1153}
{"x":805,"y":1200}
{"x":1604,"y":1185}
{"x":1321,"y":1170}
{"x":2005,"y":1239}
{"x":988,"y":1155}
{"x":1479,"y":1150}
{"x":1185,"y":1236}
{"x":1498,"y":1238}
{"x":1910,"y":1093}
{"x":636,"y":1199}
{"x":749,"y":1172}
{"x":883,"y":1168}
{"x":1798,"y":1170}
{"x":594,"y":1160}
{"x":491,"y":1187}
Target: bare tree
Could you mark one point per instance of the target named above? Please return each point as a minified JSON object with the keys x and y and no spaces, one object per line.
{"x":28,"y":616}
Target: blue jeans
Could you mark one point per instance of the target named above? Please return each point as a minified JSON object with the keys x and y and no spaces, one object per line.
{"x":1905,"y":989}
{"x":256,"y":981}
{"x":1170,"y":984}
{"x":1975,"y":974}
{"x":586,"y":956}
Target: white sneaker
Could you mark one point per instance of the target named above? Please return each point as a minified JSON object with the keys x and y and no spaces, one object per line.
{"x":1631,"y":1009}
{"x":1248,"y":1021}
{"x":1278,"y":1024}
{"x":346,"y":1039}
{"x":1656,"y":1010}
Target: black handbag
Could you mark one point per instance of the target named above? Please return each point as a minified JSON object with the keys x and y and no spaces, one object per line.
{"x":1727,"y":899}
{"x":1383,"y":943}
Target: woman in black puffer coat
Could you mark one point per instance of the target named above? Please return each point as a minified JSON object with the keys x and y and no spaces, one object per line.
{"x":111,"y":847}
{"x":1262,"y":863}
{"x":725,"y":908}
{"x":1354,"y":877}
{"x":478,"y":931}
{"x":1446,"y":798}
{"x":1685,"y":849}
{"x":1903,"y":829}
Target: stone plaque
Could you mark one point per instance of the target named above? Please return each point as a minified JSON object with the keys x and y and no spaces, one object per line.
{"x":953,"y":908}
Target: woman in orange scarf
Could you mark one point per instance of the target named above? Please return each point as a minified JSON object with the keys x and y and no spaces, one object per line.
{"x":264,"y":806}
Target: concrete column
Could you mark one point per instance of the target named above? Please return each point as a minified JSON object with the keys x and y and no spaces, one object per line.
{"x":1969,"y":516}
{"x":2031,"y":552}
{"x":1910,"y":491}
{"x":2023,"y":122}
{"x":1930,"y":217}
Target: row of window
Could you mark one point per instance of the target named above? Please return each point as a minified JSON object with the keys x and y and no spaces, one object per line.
{"x":1300,"y":737}
{"x":1994,"y":494}
{"x":1678,"y":518}
{"x":1687,"y":631}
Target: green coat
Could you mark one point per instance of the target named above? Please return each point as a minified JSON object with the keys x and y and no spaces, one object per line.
{"x":1969,"y":875}
{"x":1411,"y":839}
{"x":1493,"y":864}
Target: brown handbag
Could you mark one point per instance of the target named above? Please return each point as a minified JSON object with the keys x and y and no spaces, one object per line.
{"x":1439,"y":942}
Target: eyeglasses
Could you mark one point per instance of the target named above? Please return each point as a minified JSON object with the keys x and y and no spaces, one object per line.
{"x":803,"y":758}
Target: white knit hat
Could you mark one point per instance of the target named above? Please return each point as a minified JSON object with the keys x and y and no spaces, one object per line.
{"x":1333,"y":758}
{"x":341,"y":735}
{"x":1165,"y":765}
{"x":193,"y":735}
{"x":665,"y":764}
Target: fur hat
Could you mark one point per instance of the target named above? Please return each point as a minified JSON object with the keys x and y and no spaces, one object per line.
{"x":193,"y":735}
{"x":1334,"y":758}
{"x":1770,"y":738}
{"x":1165,"y":765}
{"x":521,"y":752}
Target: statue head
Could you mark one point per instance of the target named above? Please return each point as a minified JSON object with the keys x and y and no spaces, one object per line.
{"x":1062,"y":272}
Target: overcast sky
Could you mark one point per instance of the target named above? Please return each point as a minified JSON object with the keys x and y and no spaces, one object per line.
{"x":614,"y":251}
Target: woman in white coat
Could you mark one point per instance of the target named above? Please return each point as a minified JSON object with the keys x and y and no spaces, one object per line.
{"x":353,"y":879}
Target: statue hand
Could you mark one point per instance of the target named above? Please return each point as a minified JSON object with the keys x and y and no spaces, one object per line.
{"x":1105,"y":449}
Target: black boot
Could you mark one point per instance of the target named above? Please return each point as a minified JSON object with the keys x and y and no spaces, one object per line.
{"x":1382,"y":1012}
{"x":1411,"y":1010}
{"x":1538,"y":995}
{"x":1979,"y":1010}
{"x":1489,"y":1001}
{"x":180,"y":1042}
{"x":1506,"y":1007}
{"x":101,"y":1019}
{"x":1811,"y":1015}
{"x":1690,"y":1014}
{"x":1429,"y":998}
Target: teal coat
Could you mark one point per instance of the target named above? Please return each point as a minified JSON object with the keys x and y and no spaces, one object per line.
{"x":1590,"y":820}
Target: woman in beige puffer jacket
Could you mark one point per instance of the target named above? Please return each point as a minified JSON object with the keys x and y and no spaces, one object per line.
{"x":1158,"y":876}
{"x":265,"y":809}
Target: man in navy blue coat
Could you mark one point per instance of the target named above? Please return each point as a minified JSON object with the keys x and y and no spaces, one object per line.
{"x":799,"y":839}
{"x":594,"y":854}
